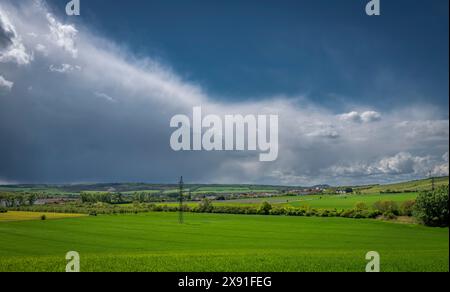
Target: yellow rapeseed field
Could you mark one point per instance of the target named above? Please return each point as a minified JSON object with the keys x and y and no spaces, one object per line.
{"x":26,"y":216}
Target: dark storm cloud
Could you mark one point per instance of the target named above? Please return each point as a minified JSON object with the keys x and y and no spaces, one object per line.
{"x":82,"y":109}
{"x":5,"y":36}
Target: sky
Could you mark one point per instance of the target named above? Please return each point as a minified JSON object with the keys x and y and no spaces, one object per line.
{"x":89,"y":98}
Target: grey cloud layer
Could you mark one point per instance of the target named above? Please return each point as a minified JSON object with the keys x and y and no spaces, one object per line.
{"x":83,"y":109}
{"x":5,"y":84}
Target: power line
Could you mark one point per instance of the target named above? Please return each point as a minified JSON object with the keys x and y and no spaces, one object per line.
{"x":180,"y":211}
{"x":433,"y":184}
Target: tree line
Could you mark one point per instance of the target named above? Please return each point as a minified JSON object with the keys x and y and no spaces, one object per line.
{"x":121,"y":198}
{"x":17,"y":199}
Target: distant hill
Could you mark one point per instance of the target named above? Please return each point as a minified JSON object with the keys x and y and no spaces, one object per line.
{"x":410,"y":186}
{"x":72,"y":189}
{"x":146,"y":187}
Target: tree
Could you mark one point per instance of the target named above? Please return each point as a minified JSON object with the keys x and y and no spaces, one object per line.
{"x":265,"y":208}
{"x":387,"y":207}
{"x":432,"y":207}
{"x":205,"y":206}
{"x":20,"y":200}
{"x":31,"y":199}
{"x":10,"y":200}
{"x":407,"y":208}
{"x":3,"y":199}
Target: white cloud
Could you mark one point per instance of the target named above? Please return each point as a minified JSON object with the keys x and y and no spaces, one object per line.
{"x":430,"y":130}
{"x":42,"y":49}
{"x":443,"y":168}
{"x":104,"y":96}
{"x":400,"y":164}
{"x":445,"y":157}
{"x":325,"y":133}
{"x":11,"y":47}
{"x":5,"y":84}
{"x":403,"y":163}
{"x":63,"y":35}
{"x":370,"y":116}
{"x":351,"y":116}
{"x":364,"y":117}
{"x":64,"y":68}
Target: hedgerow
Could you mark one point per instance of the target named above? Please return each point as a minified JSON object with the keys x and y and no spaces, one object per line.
{"x":387,"y":209}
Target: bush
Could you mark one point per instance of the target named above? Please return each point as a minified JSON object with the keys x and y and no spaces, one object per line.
{"x":361,"y":206}
{"x":324,"y":213}
{"x":431,"y":207}
{"x":311,"y":212}
{"x":389,"y":215}
{"x":205,"y":206}
{"x":3,"y":210}
{"x":407,"y":208}
{"x":348,"y":213}
{"x":374,"y":214}
{"x":387,"y":206}
{"x":265,"y":208}
{"x":278,"y":211}
{"x":93,"y":213}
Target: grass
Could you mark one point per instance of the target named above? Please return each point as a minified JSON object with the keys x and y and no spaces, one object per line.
{"x":349,"y":201}
{"x":231,"y":190}
{"x":222,"y":190}
{"x":148,"y":192}
{"x":313,"y":201}
{"x":211,"y":242}
{"x":26,"y":216}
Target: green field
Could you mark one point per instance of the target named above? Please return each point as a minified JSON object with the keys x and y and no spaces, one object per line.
{"x":410,"y":186}
{"x":232,"y":190}
{"x":222,"y":190}
{"x":209,"y":242}
{"x":149,"y":192}
{"x":349,"y":201}
{"x":312,"y":201}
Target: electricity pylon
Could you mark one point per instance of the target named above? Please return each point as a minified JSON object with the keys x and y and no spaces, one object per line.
{"x":433,"y":187}
{"x":181,"y":215}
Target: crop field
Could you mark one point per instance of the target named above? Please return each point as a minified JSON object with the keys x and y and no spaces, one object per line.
{"x":412,"y":186}
{"x":25,"y":216}
{"x":313,"y":201}
{"x":150,"y":192}
{"x":211,"y":242}
{"x":349,"y":201}
{"x":222,"y":190}
{"x":232,"y":190}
